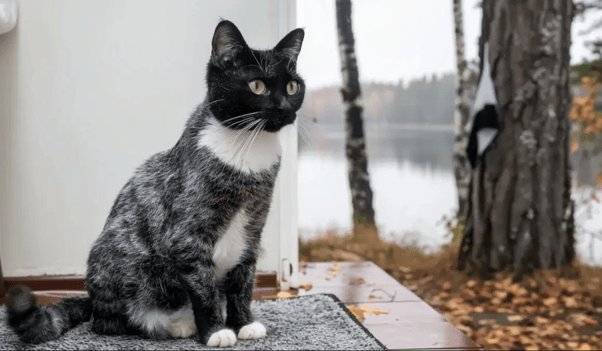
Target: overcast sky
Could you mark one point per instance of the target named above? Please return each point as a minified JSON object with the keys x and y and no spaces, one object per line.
{"x":396,"y":39}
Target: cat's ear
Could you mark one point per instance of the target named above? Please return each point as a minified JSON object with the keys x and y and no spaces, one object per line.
{"x":290,"y":45}
{"x":226,"y":44}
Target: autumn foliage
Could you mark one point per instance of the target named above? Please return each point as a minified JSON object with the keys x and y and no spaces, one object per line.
{"x":588,"y":120}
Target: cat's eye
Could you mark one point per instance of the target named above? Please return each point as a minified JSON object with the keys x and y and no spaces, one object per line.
{"x":257,"y":86}
{"x":292,"y":87}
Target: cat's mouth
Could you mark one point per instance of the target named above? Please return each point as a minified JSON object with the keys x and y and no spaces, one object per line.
{"x":276,"y":120}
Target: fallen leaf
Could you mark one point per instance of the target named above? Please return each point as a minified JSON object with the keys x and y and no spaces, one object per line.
{"x":405,"y":269}
{"x":360,"y":311}
{"x":373,"y":298}
{"x":307,"y":286}
{"x":446,"y":286}
{"x":471,"y":283}
{"x":334,"y":270}
{"x":501,"y":294}
{"x":515,"y":318}
{"x":284,"y":294}
{"x":357,"y":312}
{"x":360,"y":280}
{"x":373,"y":310}
{"x":569,"y":302}
{"x":551,"y":301}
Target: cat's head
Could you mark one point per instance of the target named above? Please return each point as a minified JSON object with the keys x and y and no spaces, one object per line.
{"x":250,"y":88}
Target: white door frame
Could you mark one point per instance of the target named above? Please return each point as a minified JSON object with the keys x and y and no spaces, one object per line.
{"x":288,"y":222}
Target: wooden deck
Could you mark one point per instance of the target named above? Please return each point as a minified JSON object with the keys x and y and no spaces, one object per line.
{"x":409,"y":323}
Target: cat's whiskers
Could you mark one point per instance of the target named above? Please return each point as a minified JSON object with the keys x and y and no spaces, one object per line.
{"x":258,"y":130}
{"x":274,"y":64}
{"x":303,"y":129}
{"x":213,"y":102}
{"x":240,"y":150}
{"x":303,"y":132}
{"x":239,"y":132}
{"x":258,"y":64}
{"x":248,"y":119}
{"x":246,"y":114}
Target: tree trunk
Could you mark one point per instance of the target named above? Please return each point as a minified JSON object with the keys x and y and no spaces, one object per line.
{"x":355,"y":144}
{"x":461,"y":170}
{"x":520,"y":213}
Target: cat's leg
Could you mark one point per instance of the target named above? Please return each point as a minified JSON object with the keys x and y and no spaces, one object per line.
{"x":109,"y":318}
{"x":198,"y":278}
{"x":239,"y":292}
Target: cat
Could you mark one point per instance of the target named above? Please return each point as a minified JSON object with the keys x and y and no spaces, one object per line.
{"x":178,"y":251}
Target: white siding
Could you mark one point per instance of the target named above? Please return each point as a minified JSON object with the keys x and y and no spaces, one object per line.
{"x":88,"y":91}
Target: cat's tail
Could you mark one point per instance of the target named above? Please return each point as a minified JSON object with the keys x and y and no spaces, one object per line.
{"x":37,"y":324}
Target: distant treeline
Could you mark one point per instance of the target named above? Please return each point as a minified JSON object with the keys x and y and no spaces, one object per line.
{"x":422,"y":101}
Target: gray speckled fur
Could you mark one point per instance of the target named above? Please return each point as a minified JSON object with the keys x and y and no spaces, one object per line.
{"x":157,"y":242}
{"x":155,"y":253}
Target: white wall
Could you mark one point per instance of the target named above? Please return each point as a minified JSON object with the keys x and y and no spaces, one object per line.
{"x":88,"y":91}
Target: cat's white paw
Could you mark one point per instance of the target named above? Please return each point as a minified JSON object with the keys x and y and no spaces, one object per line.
{"x":222,"y":338}
{"x":254,"y":330}
{"x":181,"y":329}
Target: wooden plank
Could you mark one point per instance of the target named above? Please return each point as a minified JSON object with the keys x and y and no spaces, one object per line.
{"x":408,"y":323}
{"x":77,"y":282}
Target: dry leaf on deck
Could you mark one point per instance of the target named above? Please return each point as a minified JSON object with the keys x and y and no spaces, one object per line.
{"x":307,"y":286}
{"x":357,"y":312}
{"x":284,"y":294}
{"x":360,"y":312}
{"x":334,"y":270}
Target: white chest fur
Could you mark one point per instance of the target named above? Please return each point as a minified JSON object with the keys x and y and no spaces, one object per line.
{"x":231,"y":245}
{"x":247,"y":151}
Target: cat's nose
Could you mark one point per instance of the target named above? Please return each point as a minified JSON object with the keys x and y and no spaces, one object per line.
{"x":283,"y":104}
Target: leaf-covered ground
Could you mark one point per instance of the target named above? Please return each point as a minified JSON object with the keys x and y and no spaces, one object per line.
{"x":548,"y":310}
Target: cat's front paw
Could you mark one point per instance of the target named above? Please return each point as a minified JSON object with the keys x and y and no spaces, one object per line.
{"x":254,"y":330}
{"x":222,"y":338}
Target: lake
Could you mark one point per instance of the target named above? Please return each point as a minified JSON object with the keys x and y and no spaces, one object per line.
{"x":414,"y":188}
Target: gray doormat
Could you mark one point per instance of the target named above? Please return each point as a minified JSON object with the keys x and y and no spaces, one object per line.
{"x":311,"y":322}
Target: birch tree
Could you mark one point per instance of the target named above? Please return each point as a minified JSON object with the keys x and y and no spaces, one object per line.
{"x":355,"y":141}
{"x":520,"y":212}
{"x":461,"y":170}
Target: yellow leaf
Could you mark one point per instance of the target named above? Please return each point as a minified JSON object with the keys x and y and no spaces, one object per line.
{"x":551,"y":301}
{"x":515,"y":318}
{"x":574,"y":145}
{"x":307,"y":286}
{"x":284,"y":294}
{"x":357,"y":312}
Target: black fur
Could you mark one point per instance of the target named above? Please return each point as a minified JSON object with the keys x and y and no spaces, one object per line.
{"x":155,"y":252}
